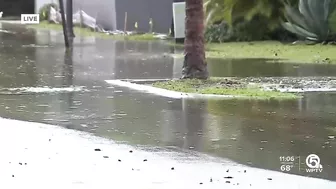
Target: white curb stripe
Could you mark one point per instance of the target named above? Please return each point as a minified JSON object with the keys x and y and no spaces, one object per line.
{"x":164,"y":92}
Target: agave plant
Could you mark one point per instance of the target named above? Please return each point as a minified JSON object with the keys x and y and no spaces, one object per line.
{"x":314,"y":20}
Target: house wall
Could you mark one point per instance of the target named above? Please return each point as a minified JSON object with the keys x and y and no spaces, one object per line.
{"x":111,"y":13}
{"x":141,"y":11}
{"x":103,"y":10}
{"x":14,"y":8}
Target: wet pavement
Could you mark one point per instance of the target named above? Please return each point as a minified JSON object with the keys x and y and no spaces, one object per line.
{"x":41,"y":83}
{"x":44,"y":156}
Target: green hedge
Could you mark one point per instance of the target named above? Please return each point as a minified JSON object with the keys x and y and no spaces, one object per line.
{"x":44,"y":11}
{"x":242,"y":30}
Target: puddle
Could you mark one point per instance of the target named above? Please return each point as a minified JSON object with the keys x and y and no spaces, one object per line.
{"x":266,"y":68}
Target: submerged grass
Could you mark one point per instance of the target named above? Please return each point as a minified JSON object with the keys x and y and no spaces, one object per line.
{"x":273,"y":50}
{"x":287,"y":53}
{"x":88,"y":32}
{"x":222,"y":86}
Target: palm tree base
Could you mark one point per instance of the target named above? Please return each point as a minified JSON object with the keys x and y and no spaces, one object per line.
{"x":194,"y":70}
{"x":194,"y":74}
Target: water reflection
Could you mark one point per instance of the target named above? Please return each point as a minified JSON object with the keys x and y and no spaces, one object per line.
{"x":193,"y":114}
{"x":268,"y":130}
{"x":67,"y":73}
{"x":251,"y":132}
{"x":187,"y":132}
{"x":256,"y":133}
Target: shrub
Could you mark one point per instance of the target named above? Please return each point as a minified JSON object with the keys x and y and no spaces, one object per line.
{"x":243,"y":30}
{"x":44,"y":10}
{"x":218,"y":33}
{"x":253,"y":30}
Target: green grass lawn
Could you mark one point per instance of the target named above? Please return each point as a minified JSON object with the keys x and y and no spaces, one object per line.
{"x":287,"y":53}
{"x":273,"y":50}
{"x":222,"y":86}
{"x":87,"y":32}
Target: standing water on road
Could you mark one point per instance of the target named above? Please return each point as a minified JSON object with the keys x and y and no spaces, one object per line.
{"x":41,"y":83}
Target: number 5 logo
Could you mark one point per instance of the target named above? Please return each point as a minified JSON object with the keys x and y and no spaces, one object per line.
{"x":313,"y":161}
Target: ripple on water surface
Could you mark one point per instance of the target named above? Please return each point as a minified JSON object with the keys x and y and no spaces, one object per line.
{"x":24,"y":90}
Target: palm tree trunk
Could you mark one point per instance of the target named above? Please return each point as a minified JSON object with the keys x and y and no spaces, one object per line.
{"x":194,"y":65}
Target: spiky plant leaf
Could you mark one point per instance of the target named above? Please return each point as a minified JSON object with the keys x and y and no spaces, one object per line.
{"x":316,"y":8}
{"x":299,"y":31}
{"x":296,"y":17}
{"x":316,"y":18}
{"x":308,"y":15}
{"x":327,"y":6}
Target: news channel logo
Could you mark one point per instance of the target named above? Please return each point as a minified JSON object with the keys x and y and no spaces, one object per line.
{"x":313,"y":163}
{"x":30,"y":18}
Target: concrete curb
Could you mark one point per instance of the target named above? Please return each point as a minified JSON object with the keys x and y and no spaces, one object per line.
{"x":164,"y":92}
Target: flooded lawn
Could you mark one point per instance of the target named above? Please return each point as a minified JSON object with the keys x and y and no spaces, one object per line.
{"x":40,"y":82}
{"x":267,"y":68}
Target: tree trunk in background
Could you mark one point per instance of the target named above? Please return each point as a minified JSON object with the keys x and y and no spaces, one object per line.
{"x":194,"y":66}
{"x":64,"y":25}
{"x":69,"y":18}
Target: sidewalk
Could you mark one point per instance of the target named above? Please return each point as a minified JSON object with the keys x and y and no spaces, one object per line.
{"x":43,"y":156}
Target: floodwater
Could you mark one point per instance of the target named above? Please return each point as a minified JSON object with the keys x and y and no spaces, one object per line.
{"x":41,"y":83}
{"x":268,"y":68}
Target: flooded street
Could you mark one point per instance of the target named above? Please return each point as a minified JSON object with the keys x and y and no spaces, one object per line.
{"x":39,"y":82}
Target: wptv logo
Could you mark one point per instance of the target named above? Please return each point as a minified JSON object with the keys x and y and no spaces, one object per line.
{"x":30,"y":18}
{"x":313,"y":163}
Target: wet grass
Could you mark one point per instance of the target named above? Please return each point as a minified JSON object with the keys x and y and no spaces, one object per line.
{"x":89,"y":33}
{"x":287,"y":53}
{"x":222,"y":86}
{"x":10,"y":18}
{"x":273,"y":49}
